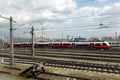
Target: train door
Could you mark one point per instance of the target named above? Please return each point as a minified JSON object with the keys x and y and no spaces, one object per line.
{"x":91,"y":45}
{"x":73,"y":45}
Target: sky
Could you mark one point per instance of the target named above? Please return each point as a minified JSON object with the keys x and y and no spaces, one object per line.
{"x":61,"y":18}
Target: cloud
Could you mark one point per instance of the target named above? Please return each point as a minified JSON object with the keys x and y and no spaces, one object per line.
{"x":102,"y":0}
{"x":37,"y":10}
{"x":60,"y":14}
{"x":110,"y":13}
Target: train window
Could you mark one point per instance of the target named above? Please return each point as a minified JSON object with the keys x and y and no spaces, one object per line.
{"x":66,"y":44}
{"x":82,"y":45}
{"x":97,"y":44}
{"x":56,"y":44}
{"x":104,"y":43}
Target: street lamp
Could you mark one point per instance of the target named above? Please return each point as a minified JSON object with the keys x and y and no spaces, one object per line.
{"x":11,"y":39}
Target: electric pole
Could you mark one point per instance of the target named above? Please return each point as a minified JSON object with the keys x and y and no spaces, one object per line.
{"x":11,"y":39}
{"x":11,"y":42}
{"x":32,"y":33}
{"x":116,"y":36}
{"x":62,"y":36}
{"x":42,"y":33}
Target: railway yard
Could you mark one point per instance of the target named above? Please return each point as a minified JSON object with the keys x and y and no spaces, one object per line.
{"x":60,"y":40}
{"x":69,"y":64}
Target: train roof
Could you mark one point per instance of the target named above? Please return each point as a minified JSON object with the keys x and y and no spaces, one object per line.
{"x":42,"y":42}
{"x":91,"y":42}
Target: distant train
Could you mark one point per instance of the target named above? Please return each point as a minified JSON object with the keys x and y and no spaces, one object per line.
{"x":91,"y":45}
{"x":114,"y":43}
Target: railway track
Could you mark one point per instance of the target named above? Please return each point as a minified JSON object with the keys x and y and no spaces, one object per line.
{"x":115,"y":69}
{"x":44,"y":50}
{"x":83,"y":56}
{"x":106,"y":52}
{"x":101,"y":55}
{"x":23,"y":57}
{"x":79,"y":56}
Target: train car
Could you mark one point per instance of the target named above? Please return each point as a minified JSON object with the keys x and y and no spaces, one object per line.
{"x":92,"y":45}
{"x":42,"y":45}
{"x":35,"y":44}
{"x":67,"y":45}
{"x":55,"y":45}
{"x":101,"y":45}
{"x":25,"y":44}
{"x":17,"y":45}
{"x":114,"y":43}
{"x":81,"y":45}
{"x":7,"y":44}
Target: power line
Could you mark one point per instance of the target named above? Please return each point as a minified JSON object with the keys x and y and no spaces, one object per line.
{"x":76,"y":18}
{"x":72,"y":28}
{"x":91,"y":16}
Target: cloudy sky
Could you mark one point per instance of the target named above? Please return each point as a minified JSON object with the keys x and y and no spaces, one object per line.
{"x":60,"y":18}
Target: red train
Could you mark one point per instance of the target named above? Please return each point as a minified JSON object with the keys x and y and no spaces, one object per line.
{"x":92,"y":45}
{"x":95,"y":45}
